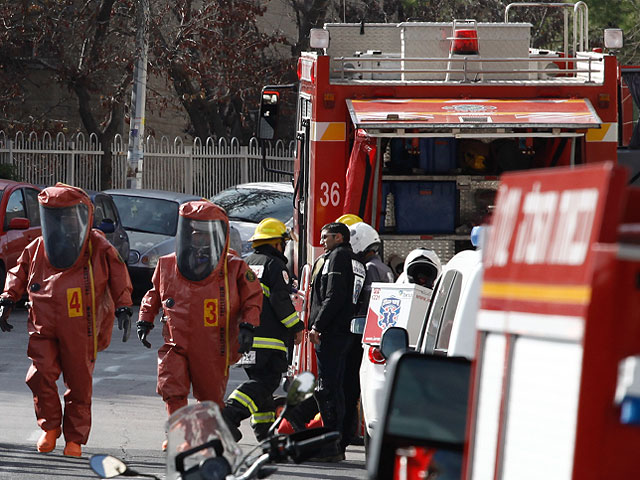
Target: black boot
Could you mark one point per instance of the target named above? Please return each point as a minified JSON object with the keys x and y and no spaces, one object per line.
{"x":233,"y":415}
{"x":261,"y":430}
{"x":331,"y":452}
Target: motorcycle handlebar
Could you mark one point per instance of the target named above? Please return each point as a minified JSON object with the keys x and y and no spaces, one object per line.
{"x":297,"y":450}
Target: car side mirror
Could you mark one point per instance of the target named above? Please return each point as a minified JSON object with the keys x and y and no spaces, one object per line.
{"x":357,"y":325}
{"x":394,"y":339}
{"x":268,"y":116}
{"x":107,"y":225}
{"x":19,"y":223}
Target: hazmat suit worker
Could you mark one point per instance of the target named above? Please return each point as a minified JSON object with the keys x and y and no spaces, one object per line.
{"x":279,"y":326}
{"x":210,"y":301}
{"x":75,"y":279}
{"x":422,"y":267}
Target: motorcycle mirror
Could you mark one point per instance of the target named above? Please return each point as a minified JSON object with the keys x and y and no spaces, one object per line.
{"x":106,"y":466}
{"x":300,"y":388}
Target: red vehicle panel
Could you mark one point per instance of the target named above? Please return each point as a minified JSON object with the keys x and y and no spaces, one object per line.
{"x":19,"y":221}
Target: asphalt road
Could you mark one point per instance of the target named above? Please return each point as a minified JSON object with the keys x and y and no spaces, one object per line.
{"x":128,"y":416}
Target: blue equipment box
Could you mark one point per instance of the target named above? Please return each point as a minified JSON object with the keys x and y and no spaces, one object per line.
{"x":438,"y":155}
{"x":422,"y":207}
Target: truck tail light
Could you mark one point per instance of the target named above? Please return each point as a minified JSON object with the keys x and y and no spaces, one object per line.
{"x":604,"y":100}
{"x":329,"y":100}
{"x":375,"y":356}
{"x":299,"y":70}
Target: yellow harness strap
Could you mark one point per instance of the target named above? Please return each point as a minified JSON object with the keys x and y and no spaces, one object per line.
{"x":226,"y":313}
{"x":93,"y":304}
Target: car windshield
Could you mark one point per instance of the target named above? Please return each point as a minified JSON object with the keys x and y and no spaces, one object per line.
{"x":254,"y":205}
{"x":148,"y":215}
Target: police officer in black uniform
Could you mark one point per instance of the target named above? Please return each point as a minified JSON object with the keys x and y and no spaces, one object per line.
{"x":279,"y":325}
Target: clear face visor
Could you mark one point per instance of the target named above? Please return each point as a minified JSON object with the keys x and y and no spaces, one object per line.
{"x":64,"y":231}
{"x":199,"y":246}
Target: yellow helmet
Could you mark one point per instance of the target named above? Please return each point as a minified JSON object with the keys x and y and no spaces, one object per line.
{"x":270,"y":228}
{"x":349,"y":219}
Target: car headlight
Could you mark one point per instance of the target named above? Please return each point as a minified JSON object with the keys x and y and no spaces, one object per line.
{"x":134,"y":257}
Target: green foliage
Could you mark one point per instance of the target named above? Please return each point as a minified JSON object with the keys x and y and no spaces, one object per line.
{"x":624,"y":14}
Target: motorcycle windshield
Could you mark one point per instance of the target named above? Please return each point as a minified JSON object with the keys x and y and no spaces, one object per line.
{"x":191,"y":427}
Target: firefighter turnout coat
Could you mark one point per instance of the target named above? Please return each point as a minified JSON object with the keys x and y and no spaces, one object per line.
{"x":266,"y":362}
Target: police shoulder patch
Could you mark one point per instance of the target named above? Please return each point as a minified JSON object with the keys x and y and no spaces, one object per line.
{"x":250,"y":275}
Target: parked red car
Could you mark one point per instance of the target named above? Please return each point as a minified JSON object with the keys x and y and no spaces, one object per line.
{"x":19,"y":221}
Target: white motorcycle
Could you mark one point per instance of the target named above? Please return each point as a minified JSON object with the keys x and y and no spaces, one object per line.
{"x":200,"y":446}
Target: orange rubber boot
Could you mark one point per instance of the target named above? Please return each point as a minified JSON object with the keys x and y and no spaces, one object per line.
{"x":47,"y":440}
{"x":73,"y":449}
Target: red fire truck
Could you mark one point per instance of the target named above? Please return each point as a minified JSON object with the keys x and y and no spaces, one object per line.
{"x":408,"y":125}
{"x":554,"y":389}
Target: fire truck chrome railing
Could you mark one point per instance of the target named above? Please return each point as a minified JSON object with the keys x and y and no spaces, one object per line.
{"x":345,"y":69}
{"x":580,"y":22}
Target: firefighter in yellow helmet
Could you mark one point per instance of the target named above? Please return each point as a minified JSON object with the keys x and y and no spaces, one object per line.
{"x":279,"y":326}
{"x":349,"y":219}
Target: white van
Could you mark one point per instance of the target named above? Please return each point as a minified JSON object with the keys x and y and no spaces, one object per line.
{"x":450,"y":327}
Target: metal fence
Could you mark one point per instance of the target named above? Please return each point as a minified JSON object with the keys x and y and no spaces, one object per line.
{"x":198,"y":168}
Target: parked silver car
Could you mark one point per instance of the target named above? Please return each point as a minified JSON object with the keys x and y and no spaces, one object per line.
{"x":249,"y":203}
{"x":150,"y":218}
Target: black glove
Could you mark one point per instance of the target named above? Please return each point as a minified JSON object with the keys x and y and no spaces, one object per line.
{"x":143,"y":329}
{"x":245,"y":337}
{"x":6,"y":306}
{"x":123,"y":314}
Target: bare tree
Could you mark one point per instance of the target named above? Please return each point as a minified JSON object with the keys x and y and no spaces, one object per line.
{"x":216,"y":59}
{"x":86,"y":48}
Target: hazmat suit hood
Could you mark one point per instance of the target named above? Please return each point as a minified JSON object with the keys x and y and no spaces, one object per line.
{"x":66,"y":215}
{"x":201,"y":240}
{"x":422,"y":267}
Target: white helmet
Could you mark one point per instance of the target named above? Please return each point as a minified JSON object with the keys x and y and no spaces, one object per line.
{"x":364,"y":238}
{"x":421,"y":266}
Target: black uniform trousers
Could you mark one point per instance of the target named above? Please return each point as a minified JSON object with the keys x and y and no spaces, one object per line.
{"x":254,"y":398}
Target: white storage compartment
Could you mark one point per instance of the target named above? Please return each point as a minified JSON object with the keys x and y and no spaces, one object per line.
{"x":377,"y":60}
{"x":395,"y":305}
